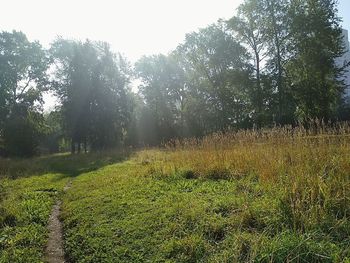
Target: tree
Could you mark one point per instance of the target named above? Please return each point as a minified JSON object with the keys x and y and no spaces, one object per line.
{"x":162,"y":91}
{"x":218,"y":76}
{"x":249,"y":27}
{"x":276,"y":22}
{"x":110,"y":105}
{"x":314,"y":45}
{"x":23,"y":78}
{"x":54,"y":140}
{"x":92,"y":84}
{"x":22,"y":132}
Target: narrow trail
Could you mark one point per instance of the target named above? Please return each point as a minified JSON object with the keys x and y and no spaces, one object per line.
{"x":54,"y":252}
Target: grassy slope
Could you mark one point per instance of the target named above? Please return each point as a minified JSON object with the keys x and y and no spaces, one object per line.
{"x":129,"y":213}
{"x":28,"y":189}
{"x":125,"y":216}
{"x":25,"y":209}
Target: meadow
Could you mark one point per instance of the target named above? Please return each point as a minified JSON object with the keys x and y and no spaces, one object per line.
{"x":270,"y":195}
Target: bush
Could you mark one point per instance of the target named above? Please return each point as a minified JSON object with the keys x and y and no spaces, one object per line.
{"x":21,"y":136}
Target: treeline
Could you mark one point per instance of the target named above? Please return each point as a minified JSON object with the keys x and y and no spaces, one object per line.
{"x":273,"y":63}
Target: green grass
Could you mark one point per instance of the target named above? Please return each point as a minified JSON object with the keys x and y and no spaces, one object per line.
{"x":28,"y":190}
{"x":127,"y":213}
{"x":24,"y":211}
{"x":279,"y":197}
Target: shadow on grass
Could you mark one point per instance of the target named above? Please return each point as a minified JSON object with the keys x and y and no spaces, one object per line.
{"x":66,"y":164}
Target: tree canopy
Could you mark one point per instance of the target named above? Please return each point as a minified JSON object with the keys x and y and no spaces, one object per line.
{"x":92,"y":85}
{"x":272,"y":63}
{"x":23,"y":78}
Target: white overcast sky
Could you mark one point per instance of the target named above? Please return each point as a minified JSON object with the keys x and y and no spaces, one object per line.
{"x":132,"y":27}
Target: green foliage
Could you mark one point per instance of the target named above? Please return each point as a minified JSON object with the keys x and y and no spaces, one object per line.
{"x":274,"y":62}
{"x":277,"y":36}
{"x":22,"y":134}
{"x":23,"y":67}
{"x":91,"y":83}
{"x":200,"y":87}
{"x":161,"y":90}
{"x":218,"y":79}
{"x":54,"y":134}
{"x":245,"y":72}
{"x":23,"y":78}
{"x":248,"y":26}
{"x":314,"y":45}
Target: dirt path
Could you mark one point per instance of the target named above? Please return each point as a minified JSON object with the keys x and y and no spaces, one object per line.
{"x":54,"y":252}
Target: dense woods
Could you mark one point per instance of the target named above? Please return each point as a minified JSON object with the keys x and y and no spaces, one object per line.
{"x":272,"y":63}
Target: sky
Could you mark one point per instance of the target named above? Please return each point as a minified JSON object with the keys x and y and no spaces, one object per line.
{"x":132,"y":27}
{"x":344,"y":13}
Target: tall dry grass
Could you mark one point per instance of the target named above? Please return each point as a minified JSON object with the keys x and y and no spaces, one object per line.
{"x":308,"y":170}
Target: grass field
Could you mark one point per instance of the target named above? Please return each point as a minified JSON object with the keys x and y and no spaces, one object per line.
{"x":278,"y":195}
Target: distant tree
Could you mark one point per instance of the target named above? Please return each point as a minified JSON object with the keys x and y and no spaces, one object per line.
{"x":110,"y":105}
{"x":314,"y":45}
{"x":276,"y":23}
{"x":148,"y":134}
{"x":54,"y":136}
{"x":135,"y":131}
{"x":249,"y":27}
{"x":22,"y":132}
{"x":218,"y":76}
{"x":92,"y":84}
{"x":161,"y":87}
{"x":23,"y":78}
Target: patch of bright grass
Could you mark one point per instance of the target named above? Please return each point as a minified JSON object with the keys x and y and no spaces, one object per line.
{"x":28,"y":190}
{"x":25,"y":208}
{"x":129,"y":215}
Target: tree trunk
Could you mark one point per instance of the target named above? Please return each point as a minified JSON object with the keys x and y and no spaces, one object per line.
{"x":85,"y":146}
{"x":73,"y":147}
{"x":79,"y":146}
{"x":259,"y":91}
{"x":279,"y":66}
